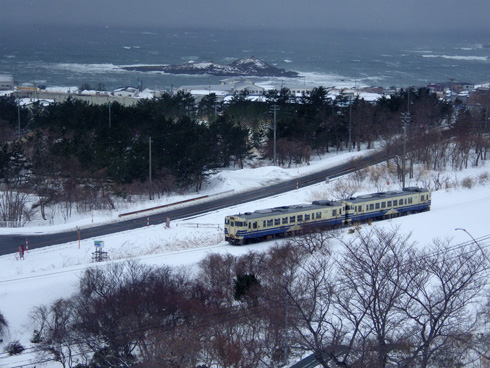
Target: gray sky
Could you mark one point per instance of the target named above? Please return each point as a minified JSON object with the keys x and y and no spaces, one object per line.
{"x":359,"y":14}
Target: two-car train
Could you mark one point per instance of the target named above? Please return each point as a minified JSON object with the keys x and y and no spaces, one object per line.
{"x":292,"y":220}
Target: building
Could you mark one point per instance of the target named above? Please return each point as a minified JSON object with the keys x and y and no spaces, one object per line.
{"x":225,"y":88}
{"x":125,"y":92}
{"x":6,"y":82}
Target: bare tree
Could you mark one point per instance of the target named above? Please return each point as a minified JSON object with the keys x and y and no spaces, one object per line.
{"x":443,"y":293}
{"x":299,"y":288}
{"x":13,"y":207}
{"x":130,"y":313}
{"x":371,"y":277}
{"x":54,"y":332}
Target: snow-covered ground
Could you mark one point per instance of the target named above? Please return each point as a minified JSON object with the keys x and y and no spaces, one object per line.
{"x":50,"y":273}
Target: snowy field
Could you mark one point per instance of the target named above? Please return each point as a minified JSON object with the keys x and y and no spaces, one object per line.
{"x":50,"y":273}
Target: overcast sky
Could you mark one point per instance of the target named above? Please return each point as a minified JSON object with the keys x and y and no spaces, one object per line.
{"x":359,"y":14}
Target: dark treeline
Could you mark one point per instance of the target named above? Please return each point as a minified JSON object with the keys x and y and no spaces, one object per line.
{"x":75,"y":154}
{"x":377,"y":301}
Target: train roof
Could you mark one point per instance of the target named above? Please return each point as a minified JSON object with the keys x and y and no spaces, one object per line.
{"x":387,"y":195}
{"x":316,"y":205}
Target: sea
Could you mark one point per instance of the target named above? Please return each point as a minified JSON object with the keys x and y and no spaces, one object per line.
{"x":69,"y":56}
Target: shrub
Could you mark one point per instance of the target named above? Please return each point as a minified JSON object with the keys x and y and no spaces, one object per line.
{"x":483,"y":178}
{"x":3,"y":325}
{"x":467,"y":183}
{"x":14,"y":348}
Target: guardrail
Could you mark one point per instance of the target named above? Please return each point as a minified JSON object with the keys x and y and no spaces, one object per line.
{"x":173,"y":204}
{"x":198,"y":225}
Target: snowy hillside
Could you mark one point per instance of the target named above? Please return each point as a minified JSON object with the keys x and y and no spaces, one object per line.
{"x":50,"y":273}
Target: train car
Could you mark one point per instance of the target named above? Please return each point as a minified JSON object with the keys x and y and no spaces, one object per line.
{"x":282,"y":221}
{"x":383,"y":205}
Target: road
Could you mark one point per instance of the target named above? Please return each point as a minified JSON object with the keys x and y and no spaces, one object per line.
{"x":9,"y":243}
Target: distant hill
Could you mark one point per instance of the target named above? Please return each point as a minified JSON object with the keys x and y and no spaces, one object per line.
{"x":240,"y":67}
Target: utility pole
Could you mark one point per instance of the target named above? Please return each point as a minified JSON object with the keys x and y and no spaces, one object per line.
{"x":274,"y":110}
{"x":109,"y":114}
{"x":18,"y":117}
{"x":405,"y":122}
{"x":149,"y":155}
{"x":349,"y":145}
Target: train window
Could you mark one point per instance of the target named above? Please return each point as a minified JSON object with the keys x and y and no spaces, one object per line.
{"x":307,"y":217}
{"x":389,"y":204}
{"x":277,"y":221}
{"x":269,"y":222}
{"x":383,"y":204}
{"x":318,"y":215}
{"x":377,"y":205}
{"x":409,"y":199}
{"x":371,"y":206}
{"x":422,"y":198}
{"x":239,"y":223}
{"x":284,"y":220}
{"x":292,"y":219}
{"x":395,"y":202}
{"x":249,"y":225}
{"x":232,"y":224}
{"x":255,"y":225}
{"x":264,"y":223}
{"x":334,"y":212}
{"x":359,"y":208}
{"x":227,"y":221}
{"x":300,"y":218}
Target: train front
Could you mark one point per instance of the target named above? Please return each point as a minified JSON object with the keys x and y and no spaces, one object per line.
{"x":235,"y":229}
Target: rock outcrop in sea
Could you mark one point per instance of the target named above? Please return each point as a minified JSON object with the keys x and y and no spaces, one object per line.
{"x":251,"y":67}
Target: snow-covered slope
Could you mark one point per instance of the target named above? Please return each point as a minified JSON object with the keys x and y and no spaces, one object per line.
{"x":50,"y":273}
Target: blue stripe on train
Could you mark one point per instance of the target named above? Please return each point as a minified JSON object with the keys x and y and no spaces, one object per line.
{"x":250,"y":234}
{"x":378,"y":213}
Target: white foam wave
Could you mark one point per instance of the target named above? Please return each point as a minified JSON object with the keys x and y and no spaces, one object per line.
{"x":315,"y":79}
{"x":86,"y":68}
{"x":419,"y":51}
{"x":458,"y":57}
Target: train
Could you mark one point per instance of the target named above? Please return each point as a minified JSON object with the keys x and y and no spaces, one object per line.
{"x":285,"y":221}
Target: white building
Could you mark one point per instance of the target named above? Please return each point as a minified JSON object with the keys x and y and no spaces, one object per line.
{"x":6,"y":82}
{"x":225,"y":88}
{"x":125,"y":92}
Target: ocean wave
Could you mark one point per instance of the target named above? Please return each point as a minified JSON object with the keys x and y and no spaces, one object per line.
{"x":327,"y":80}
{"x":458,"y":57}
{"x":419,"y":51}
{"x":86,"y":68}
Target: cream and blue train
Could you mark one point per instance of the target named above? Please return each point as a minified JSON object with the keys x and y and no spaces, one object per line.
{"x":293,"y":220}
